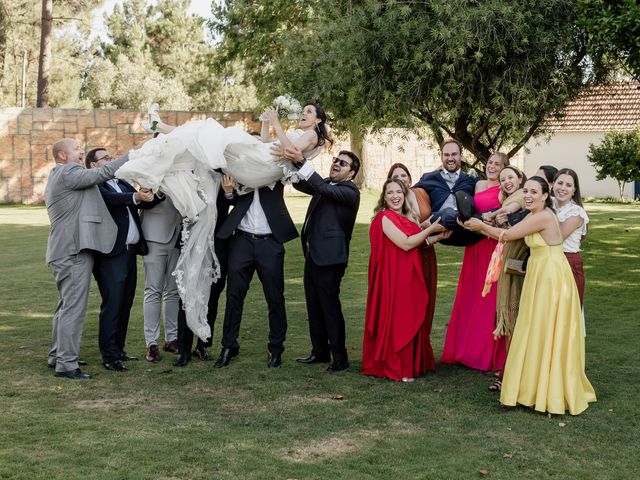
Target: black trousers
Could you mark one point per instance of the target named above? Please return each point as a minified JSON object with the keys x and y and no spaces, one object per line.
{"x":326,"y":322}
{"x":249,"y":254}
{"x":116,"y":278}
{"x":460,"y":237}
{"x":185,"y":335}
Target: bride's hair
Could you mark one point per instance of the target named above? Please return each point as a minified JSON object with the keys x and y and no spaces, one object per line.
{"x":321,"y":128}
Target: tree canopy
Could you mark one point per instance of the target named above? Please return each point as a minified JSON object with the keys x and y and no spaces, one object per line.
{"x":485,"y":73}
{"x":618,"y":157}
{"x":613,"y":28}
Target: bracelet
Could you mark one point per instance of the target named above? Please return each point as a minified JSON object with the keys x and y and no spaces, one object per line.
{"x":427,"y":240}
{"x":228,"y":195}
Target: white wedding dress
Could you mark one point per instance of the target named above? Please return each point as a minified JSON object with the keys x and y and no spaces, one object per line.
{"x":182,"y":165}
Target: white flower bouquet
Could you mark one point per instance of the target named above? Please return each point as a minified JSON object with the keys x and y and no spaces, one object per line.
{"x":287,"y":106}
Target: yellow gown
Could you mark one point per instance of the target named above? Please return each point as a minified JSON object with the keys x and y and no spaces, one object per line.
{"x":545,"y":364}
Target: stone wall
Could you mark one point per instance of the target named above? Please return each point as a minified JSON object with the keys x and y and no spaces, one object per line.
{"x":26,"y":137}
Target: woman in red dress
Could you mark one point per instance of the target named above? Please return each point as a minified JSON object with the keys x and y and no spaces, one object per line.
{"x":396,"y":342}
{"x":469,"y":339}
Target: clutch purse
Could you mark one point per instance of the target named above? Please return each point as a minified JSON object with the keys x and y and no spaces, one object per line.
{"x":513,"y":266}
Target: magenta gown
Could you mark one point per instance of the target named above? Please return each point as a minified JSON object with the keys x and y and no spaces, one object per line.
{"x":469,"y":340}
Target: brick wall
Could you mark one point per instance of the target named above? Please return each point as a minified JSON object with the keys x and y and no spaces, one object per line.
{"x":26,"y":137}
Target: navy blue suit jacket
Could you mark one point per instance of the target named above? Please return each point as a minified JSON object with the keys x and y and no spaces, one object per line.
{"x":439,"y":191}
{"x":119,"y":204}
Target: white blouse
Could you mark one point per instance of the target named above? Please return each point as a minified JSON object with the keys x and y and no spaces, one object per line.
{"x":571,"y":209}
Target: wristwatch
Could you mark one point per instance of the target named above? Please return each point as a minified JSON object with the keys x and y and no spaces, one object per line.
{"x":300,"y":163}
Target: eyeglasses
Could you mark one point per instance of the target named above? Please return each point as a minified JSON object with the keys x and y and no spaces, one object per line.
{"x":341,"y":162}
{"x":106,"y":158}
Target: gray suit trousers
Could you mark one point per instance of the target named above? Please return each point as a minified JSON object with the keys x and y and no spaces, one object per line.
{"x":73,"y":276}
{"x":160,"y":289}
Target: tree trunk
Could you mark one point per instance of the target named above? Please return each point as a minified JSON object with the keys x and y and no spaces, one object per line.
{"x":44,"y":64}
{"x":621,"y":186}
{"x":356,"y":135}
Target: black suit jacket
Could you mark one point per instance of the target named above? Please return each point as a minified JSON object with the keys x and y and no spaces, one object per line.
{"x":119,"y":204}
{"x":272,"y":202}
{"x":329,"y":221}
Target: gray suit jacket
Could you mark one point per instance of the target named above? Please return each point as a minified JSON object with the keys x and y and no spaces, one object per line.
{"x":78,"y":215}
{"x":160,"y":223}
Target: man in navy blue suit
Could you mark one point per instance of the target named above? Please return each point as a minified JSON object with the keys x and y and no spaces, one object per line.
{"x":116,"y":272}
{"x":441,"y":185}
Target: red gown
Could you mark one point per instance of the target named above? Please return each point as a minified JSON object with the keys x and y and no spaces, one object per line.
{"x":396,"y":338}
{"x":469,"y":338}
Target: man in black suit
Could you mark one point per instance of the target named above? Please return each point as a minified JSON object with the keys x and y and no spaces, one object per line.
{"x":257,"y":228}
{"x":224,"y":200}
{"x":116,"y":271}
{"x":326,"y":234}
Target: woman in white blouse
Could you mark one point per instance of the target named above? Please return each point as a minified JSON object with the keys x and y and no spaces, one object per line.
{"x":574,"y":220}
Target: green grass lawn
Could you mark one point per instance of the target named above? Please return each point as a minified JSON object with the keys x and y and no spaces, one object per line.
{"x":248,"y":422}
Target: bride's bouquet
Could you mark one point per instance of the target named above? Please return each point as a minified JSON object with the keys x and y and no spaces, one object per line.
{"x":287,"y":106}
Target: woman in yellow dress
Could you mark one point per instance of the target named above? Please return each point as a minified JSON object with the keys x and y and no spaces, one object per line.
{"x":545,"y":365}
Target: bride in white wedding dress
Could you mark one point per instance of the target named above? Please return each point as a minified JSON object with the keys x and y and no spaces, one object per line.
{"x":182,"y":163}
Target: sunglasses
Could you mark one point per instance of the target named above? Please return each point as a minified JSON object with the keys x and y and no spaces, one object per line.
{"x":341,"y":162}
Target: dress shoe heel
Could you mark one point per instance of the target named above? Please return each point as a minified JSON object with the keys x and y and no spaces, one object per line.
{"x":73,"y":375}
{"x":226,"y":354}
{"x":337,"y":367}
{"x":202,"y":354}
{"x":465,"y":206}
{"x":275,"y":360}
{"x":116,"y":366}
{"x":312,"y":359}
{"x":181,"y":361}
{"x":152,"y":354}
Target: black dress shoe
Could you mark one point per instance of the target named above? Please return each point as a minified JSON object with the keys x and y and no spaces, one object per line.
{"x":226,"y":354}
{"x":202,"y":354}
{"x":181,"y":361}
{"x":465,"y":206}
{"x":313,"y":359}
{"x":275,"y":360}
{"x":127,"y":358}
{"x":337,"y":367}
{"x":73,"y":375}
{"x":82,"y":363}
{"x":116,"y":366}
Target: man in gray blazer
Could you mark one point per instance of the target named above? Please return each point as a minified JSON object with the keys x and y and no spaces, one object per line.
{"x":80,"y":224}
{"x":161,"y":228}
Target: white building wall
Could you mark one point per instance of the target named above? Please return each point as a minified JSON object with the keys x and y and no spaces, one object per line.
{"x":570,"y":150}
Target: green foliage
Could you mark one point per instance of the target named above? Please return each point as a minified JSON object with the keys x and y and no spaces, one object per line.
{"x":485,"y":73}
{"x":157,"y":53}
{"x":20,"y":39}
{"x":613,"y":28}
{"x":618,"y":157}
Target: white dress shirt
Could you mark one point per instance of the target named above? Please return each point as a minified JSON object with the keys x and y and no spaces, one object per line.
{"x":255,"y":220}
{"x":133,"y":235}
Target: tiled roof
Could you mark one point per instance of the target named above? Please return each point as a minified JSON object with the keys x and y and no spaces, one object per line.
{"x":601,"y":108}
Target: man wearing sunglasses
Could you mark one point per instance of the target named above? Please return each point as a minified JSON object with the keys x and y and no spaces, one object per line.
{"x":326,"y":234}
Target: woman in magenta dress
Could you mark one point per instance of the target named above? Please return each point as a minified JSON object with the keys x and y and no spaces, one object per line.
{"x":469,"y":340}
{"x":396,"y":338}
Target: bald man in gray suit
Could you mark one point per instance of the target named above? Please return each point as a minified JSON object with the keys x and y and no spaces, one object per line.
{"x":80,"y":225}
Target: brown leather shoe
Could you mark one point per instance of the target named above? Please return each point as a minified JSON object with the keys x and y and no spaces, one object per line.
{"x":171,"y":346}
{"x":152,"y":354}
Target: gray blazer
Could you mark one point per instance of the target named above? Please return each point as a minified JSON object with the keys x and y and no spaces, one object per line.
{"x":78,"y":215}
{"x":159,"y":224}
